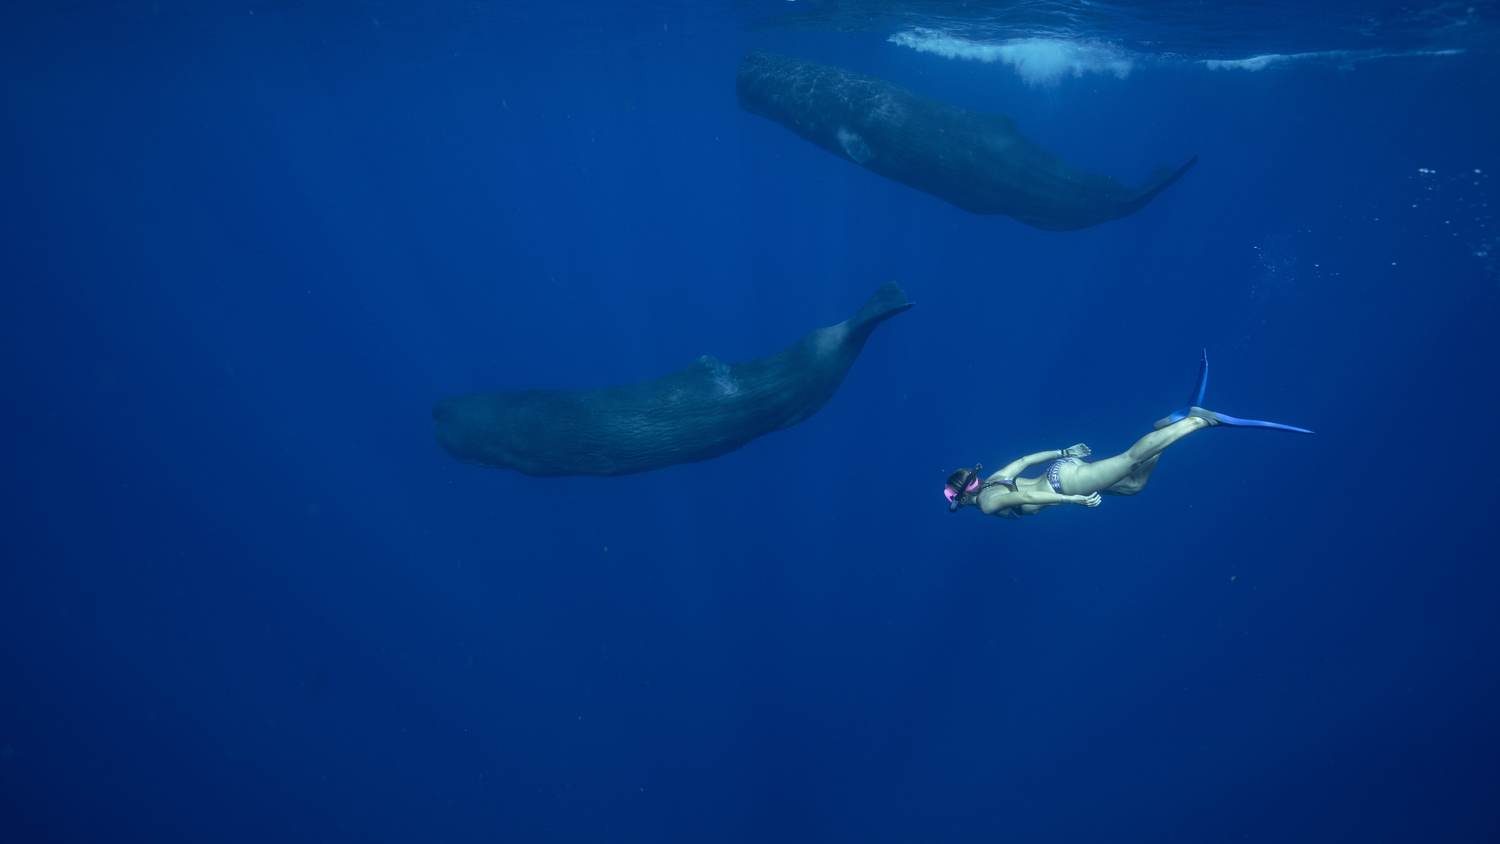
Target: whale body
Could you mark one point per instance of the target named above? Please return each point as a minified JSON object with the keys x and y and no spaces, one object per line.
{"x":699,"y":412}
{"x":979,"y":162}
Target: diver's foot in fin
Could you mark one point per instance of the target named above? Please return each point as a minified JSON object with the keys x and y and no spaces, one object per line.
{"x":1199,"y":387}
{"x":1206,"y":415}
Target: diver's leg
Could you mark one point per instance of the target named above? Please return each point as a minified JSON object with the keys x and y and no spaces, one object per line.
{"x":1135,"y":481}
{"x":1084,"y":478}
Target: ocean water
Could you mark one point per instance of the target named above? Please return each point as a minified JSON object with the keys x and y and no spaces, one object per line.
{"x":245,"y":596}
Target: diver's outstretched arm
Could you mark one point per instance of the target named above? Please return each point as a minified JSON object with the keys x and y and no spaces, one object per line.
{"x":994,"y":500}
{"x":1019,"y":465}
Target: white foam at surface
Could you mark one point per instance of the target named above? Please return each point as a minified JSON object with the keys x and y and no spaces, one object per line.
{"x":1346,"y":57}
{"x":1045,"y":61}
{"x":1039,"y":61}
{"x":1252,"y":64}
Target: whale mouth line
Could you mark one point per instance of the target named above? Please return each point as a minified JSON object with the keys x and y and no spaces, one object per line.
{"x":592,"y":464}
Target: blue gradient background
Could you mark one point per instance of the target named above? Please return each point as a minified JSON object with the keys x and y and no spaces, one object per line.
{"x":245,"y":597}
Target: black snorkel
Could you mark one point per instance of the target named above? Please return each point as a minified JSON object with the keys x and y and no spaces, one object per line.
{"x":957,"y":500}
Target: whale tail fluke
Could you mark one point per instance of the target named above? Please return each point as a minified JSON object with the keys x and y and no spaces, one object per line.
{"x":1164,"y":177}
{"x":888,"y":301}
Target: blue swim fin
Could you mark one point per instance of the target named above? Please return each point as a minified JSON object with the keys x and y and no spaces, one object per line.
{"x":1196,"y":400}
{"x":1256,"y":423}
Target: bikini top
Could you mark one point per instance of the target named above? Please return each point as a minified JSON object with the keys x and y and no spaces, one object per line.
{"x":1011,"y":512}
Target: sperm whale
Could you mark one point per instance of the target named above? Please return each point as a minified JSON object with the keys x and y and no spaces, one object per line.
{"x":704,"y":410}
{"x":979,"y":162}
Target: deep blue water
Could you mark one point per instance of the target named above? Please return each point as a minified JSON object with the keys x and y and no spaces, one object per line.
{"x":246,"y":597}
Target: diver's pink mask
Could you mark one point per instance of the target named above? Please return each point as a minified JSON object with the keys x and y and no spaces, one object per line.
{"x":953,"y":497}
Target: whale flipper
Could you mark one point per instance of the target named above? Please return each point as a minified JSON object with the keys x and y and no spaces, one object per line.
{"x":704,"y":410}
{"x":978,"y":162}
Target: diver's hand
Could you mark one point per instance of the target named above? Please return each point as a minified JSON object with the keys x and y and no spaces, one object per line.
{"x":1090,"y":500}
{"x":1079,"y":450}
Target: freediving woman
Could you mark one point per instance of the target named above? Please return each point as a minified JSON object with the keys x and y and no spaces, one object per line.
{"x":1069,"y":480}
